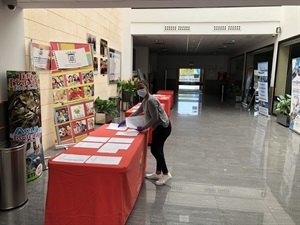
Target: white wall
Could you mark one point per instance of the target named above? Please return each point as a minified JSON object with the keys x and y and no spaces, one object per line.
{"x":263,"y":20}
{"x":290,"y":22}
{"x":12,"y":45}
{"x":127,"y":54}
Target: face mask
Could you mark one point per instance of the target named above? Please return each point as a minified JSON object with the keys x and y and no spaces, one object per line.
{"x":142,"y":92}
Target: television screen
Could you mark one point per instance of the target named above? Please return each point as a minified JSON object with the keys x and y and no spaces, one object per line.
{"x":189,"y":76}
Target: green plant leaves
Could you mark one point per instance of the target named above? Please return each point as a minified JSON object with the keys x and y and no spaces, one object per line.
{"x":283,"y":104}
{"x":108,"y":107}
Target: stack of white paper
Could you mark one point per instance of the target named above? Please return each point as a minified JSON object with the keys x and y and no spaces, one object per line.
{"x":106,"y":160}
{"x":88,"y":145}
{"x":128,"y":132}
{"x":71,"y":158}
{"x":96,"y":139}
{"x":135,"y":121}
{"x":121,"y":140}
{"x":113,"y":147}
{"x":115,"y":126}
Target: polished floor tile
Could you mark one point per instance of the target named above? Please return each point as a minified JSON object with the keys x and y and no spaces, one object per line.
{"x":229,"y":167}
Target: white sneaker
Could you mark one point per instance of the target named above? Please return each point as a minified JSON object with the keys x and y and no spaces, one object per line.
{"x":164,"y":179}
{"x":153,"y":176}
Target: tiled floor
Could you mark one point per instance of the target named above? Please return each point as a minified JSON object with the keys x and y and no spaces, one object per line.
{"x":228,"y":167}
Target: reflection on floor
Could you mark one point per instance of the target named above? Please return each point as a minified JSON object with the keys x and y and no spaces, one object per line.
{"x":189,"y":102}
{"x":228,"y":167}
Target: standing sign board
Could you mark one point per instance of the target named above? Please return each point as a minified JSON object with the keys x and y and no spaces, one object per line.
{"x":295,"y":96}
{"x":263,"y":88}
{"x":25,"y":118}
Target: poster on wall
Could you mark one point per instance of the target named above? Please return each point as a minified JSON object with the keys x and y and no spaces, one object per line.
{"x":24,"y":107}
{"x":103,"y":57}
{"x":91,"y":39}
{"x":295,"y":96}
{"x":263,"y":88}
{"x":114,"y":66}
{"x":73,"y":95}
{"x":95,"y":64}
{"x":40,"y":56}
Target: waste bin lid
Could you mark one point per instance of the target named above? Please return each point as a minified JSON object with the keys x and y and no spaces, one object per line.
{"x":10,"y":145}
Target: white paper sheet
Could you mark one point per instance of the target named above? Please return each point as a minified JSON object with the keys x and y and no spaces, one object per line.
{"x":88,"y":145}
{"x":135,"y":121}
{"x":121,"y":140}
{"x":106,"y":160}
{"x":113,"y":147}
{"x":114,"y":126}
{"x":128,"y":132}
{"x":71,"y":158}
{"x":96,"y":139}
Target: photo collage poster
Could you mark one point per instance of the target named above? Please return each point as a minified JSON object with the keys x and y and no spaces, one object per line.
{"x":24,"y":108}
{"x":263,"y":88}
{"x":73,"y":94}
{"x":295,"y":96}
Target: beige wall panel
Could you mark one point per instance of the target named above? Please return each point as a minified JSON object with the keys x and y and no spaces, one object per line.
{"x":48,"y":139}
{"x":45,"y":80}
{"x":47,"y":114}
{"x":46,"y":97}
{"x":70,"y":25}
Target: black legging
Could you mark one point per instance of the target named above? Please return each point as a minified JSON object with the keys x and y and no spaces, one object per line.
{"x":159,"y":136}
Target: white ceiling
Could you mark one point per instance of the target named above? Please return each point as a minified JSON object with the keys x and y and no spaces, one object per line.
{"x":200,"y":44}
{"x":189,"y":44}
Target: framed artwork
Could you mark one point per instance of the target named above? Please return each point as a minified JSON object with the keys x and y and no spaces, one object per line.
{"x":79,"y":127}
{"x":114,"y":66}
{"x":88,"y":91}
{"x":91,"y":123}
{"x":95,"y":64}
{"x":89,"y":108}
{"x":61,"y":115}
{"x":75,"y":93}
{"x":87,"y":77}
{"x":59,"y":97}
{"x":91,"y":39}
{"x":103,"y":66}
{"x":64,"y":131}
{"x":103,"y":48}
{"x":77,"y":111}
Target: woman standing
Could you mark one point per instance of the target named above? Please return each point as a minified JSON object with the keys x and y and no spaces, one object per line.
{"x":156,"y":118}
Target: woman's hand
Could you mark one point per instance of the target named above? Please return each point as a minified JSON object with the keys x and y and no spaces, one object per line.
{"x":139,"y":128}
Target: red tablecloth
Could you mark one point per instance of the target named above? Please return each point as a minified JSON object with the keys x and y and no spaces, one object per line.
{"x":169,"y":93}
{"x":94,"y":194}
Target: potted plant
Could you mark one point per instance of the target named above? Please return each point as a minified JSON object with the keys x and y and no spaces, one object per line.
{"x":234,"y":91}
{"x":127,"y":90}
{"x":283,"y":109}
{"x":105,"y":110}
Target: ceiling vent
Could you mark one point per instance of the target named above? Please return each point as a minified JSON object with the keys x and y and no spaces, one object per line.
{"x":177,"y":28}
{"x":226,"y":27}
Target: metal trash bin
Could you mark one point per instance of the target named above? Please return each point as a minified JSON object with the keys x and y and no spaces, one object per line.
{"x":13,"y":182}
